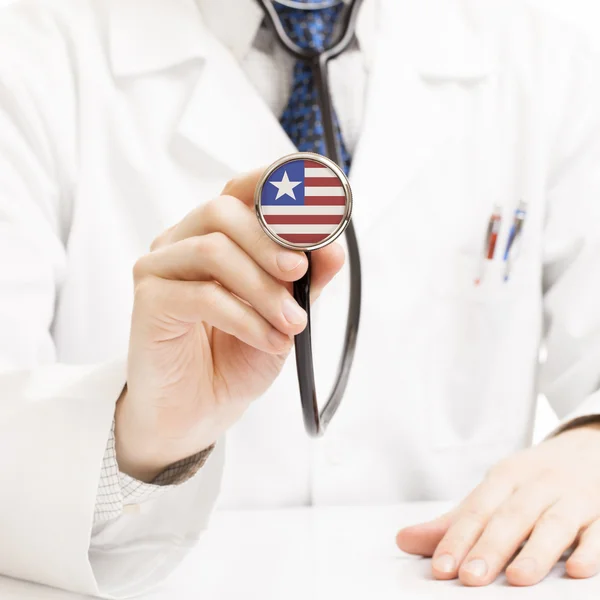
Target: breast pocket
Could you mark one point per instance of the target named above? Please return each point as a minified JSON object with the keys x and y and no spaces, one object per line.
{"x":473,"y":384}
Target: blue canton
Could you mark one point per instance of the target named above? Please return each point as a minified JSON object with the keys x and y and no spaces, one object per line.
{"x":294,"y":171}
{"x":302,"y":121}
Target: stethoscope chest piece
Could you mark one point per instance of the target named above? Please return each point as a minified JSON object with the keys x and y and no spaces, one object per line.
{"x":303,"y":201}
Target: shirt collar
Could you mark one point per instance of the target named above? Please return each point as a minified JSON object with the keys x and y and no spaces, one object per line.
{"x":234,"y":22}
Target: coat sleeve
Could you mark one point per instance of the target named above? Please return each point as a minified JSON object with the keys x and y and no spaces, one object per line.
{"x":570,"y":376}
{"x":55,"y":419}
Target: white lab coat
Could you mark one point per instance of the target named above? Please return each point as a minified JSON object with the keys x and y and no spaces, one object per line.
{"x":116,"y":119}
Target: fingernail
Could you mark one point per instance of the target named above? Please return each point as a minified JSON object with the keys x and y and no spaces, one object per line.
{"x":444,"y":563}
{"x":292,"y":312}
{"x":277,"y":339}
{"x":525,"y":565}
{"x":288,"y":261}
{"x":478,"y":568}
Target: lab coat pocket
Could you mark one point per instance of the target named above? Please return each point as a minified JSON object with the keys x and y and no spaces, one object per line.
{"x":470,"y":337}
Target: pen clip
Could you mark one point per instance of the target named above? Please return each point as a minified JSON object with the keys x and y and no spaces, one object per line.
{"x":515,"y":233}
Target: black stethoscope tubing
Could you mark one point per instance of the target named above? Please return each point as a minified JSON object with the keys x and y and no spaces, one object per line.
{"x":316,"y":420}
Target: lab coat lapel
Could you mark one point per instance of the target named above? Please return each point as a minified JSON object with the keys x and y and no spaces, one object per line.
{"x":421,"y":50}
{"x":226,"y":119}
{"x":156,"y":36}
{"x":410,"y":115}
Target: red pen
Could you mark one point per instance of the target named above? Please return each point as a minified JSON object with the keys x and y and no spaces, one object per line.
{"x":491,"y":239}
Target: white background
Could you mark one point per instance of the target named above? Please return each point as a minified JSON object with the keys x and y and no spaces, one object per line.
{"x":584,"y":14}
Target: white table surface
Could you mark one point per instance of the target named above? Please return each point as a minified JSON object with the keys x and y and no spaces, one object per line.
{"x":318,"y":554}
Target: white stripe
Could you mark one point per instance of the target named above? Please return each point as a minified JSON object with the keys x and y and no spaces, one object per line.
{"x":303,"y":210}
{"x":324,"y":191}
{"x":314,"y":172}
{"x":303,"y":228}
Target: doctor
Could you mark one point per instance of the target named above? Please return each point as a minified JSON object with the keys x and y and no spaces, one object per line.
{"x":122,"y":119}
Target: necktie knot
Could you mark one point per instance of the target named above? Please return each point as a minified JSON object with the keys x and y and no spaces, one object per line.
{"x":311,"y":29}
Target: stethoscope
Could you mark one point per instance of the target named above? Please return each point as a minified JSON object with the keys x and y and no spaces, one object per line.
{"x":316,"y":420}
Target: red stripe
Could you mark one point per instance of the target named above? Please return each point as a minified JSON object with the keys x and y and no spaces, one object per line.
{"x":304,"y":238}
{"x":324,"y":201}
{"x":311,"y":164}
{"x":304,"y":219}
{"x":322,"y":182}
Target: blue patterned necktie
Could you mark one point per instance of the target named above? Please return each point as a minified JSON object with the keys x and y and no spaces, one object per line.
{"x":302,"y":120}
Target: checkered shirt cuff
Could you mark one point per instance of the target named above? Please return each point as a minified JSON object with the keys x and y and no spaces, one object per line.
{"x":117,"y":490}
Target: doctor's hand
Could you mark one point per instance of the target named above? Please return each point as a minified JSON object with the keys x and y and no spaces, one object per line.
{"x":546,"y":497}
{"x":213,"y":322}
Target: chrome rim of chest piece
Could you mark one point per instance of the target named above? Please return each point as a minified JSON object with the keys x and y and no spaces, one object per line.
{"x":303,"y":201}
{"x":308,"y":4}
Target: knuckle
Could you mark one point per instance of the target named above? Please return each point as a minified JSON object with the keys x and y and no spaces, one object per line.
{"x":475,"y":515}
{"x":453,"y":540}
{"x":227,"y":202}
{"x":212,"y":212}
{"x":147,"y":291}
{"x":214,"y":244}
{"x":242,"y":182}
{"x":211,"y":295}
{"x":558,"y":519}
{"x":157,"y":242}
{"x":207,"y":247}
{"x":458,"y":537}
{"x":162,"y":239}
{"x":198,"y":245}
{"x":217,"y":210}
{"x":141,"y":268}
{"x":549,"y":485}
{"x":507,"y":514}
{"x":230,"y":186}
{"x":500,"y":470}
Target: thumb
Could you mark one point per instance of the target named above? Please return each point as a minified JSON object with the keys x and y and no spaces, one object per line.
{"x":423,"y":538}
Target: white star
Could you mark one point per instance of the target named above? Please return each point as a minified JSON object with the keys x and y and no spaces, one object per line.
{"x":285,"y":187}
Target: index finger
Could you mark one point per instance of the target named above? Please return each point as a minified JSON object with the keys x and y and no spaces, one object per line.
{"x":243,"y":187}
{"x":471,"y":519}
{"x":326,"y":262}
{"x":232,"y":214}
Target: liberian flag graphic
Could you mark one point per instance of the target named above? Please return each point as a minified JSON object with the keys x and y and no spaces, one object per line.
{"x":303,"y":202}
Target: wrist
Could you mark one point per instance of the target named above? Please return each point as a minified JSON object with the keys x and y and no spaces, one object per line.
{"x":142,"y":450}
{"x":135,"y":455}
{"x":142,"y":447}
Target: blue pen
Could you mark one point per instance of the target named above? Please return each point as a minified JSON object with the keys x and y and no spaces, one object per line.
{"x":514,"y":234}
